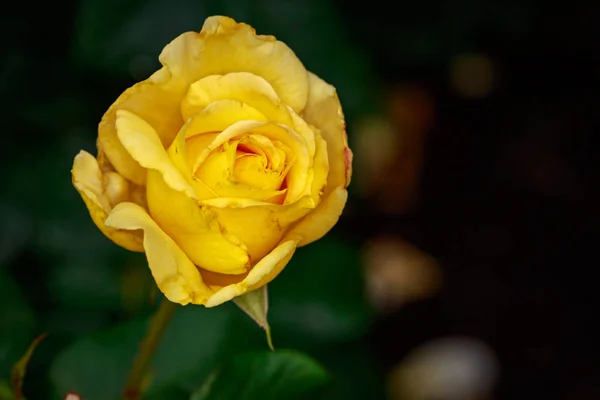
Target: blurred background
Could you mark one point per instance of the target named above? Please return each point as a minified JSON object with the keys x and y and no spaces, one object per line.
{"x":461,"y":268}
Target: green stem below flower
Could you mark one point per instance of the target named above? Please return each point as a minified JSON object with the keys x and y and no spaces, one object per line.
{"x":137,"y":375}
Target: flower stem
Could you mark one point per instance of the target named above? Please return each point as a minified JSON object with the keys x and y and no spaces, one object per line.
{"x":137,"y":375}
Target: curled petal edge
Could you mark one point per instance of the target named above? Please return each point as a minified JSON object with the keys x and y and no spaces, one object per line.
{"x":87,"y":179}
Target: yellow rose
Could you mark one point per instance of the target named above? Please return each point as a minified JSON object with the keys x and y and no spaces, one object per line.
{"x":220,"y":164}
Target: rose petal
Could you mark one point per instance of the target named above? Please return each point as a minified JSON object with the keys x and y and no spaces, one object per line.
{"x":324,"y":111}
{"x":244,"y":87}
{"x":249,"y":89}
{"x":156,"y":100}
{"x":88,"y":180}
{"x":262,"y":273}
{"x":321,"y":168}
{"x":259,"y":225}
{"x":217,"y":178}
{"x":195,"y":229}
{"x":320,"y":221}
{"x":143,"y":144}
{"x":224,"y":46}
{"x":300,"y":175}
{"x":219,"y":115}
{"x":176,"y":276}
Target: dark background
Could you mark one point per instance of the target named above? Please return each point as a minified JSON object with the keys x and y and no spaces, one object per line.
{"x":472,"y":212}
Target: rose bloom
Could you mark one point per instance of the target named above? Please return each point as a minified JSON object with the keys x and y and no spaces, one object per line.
{"x":220,"y":164}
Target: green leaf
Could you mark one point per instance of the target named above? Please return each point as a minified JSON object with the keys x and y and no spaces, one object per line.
{"x":264,"y":375}
{"x":96,"y":367}
{"x":256,"y":305}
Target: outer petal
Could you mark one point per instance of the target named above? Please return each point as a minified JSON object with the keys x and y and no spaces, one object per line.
{"x":315,"y":225}
{"x":320,"y":167}
{"x":157,"y":101}
{"x":324,"y":111}
{"x":262,"y":273}
{"x":195,"y":229}
{"x":97,"y":191}
{"x":176,"y":276}
{"x":224,"y":46}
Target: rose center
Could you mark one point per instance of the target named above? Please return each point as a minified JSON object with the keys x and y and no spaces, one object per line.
{"x":252,"y":167}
